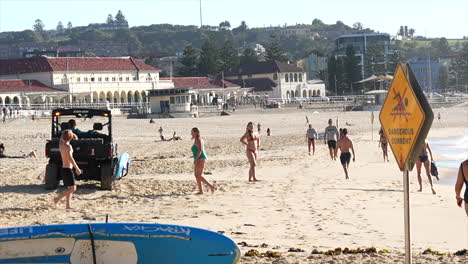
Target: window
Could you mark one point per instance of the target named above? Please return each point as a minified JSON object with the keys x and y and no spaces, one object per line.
{"x":85,"y":79}
{"x":127,"y":79}
{"x":275,"y":76}
{"x":113,"y":79}
{"x":120,"y":79}
{"x":99,"y":79}
{"x":295,"y":77}
{"x":148,"y":77}
{"x":106,"y":79}
{"x":286,"y":76}
{"x":178,"y":100}
{"x":92,"y":79}
{"x":249,"y":76}
{"x":78,"y":79}
{"x":172,"y":100}
{"x":300,"y":77}
{"x":135,"y":78}
{"x":291,"y":77}
{"x":182,"y":99}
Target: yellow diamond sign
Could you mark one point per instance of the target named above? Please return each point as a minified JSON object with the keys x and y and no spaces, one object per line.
{"x":405,"y":116}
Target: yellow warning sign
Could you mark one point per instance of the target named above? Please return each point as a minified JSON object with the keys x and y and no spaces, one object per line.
{"x":401,"y":117}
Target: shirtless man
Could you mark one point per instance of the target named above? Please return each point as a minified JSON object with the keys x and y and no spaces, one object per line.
{"x":424,"y":159}
{"x":345,"y":144}
{"x":66,"y":152}
{"x":330,"y":137}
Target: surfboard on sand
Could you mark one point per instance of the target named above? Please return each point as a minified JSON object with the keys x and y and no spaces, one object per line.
{"x":116,"y":243}
{"x":122,"y":166}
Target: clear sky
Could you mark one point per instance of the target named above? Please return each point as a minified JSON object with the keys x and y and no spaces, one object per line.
{"x":430,"y":18}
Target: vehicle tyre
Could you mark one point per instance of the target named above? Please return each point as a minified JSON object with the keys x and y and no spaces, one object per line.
{"x":52,"y":176}
{"x":107,"y":176}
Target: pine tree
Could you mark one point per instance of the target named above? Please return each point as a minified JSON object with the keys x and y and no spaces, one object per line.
{"x":39,"y":30}
{"x":209,"y":58}
{"x":249,"y":56}
{"x":228,"y":56}
{"x":274,"y":51}
{"x":60,"y":27}
{"x":375,"y":59}
{"x":336,"y":75}
{"x":120,"y":18}
{"x":189,"y":62}
{"x":110,"y":19}
{"x":69,"y":26}
{"x":352,"y":71}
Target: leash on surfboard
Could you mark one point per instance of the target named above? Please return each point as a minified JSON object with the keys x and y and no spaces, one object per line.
{"x":93,"y":248}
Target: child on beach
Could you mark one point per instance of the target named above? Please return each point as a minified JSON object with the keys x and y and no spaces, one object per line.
{"x":68,"y":164}
{"x":462,"y":178}
{"x":345,"y":144}
{"x":252,"y":141}
{"x":311,"y":136}
{"x":199,"y":161}
{"x":383,"y":143}
{"x":31,"y":154}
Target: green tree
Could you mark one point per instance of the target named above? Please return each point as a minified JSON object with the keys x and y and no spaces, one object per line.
{"x":459,"y":67}
{"x":229,"y":56}
{"x":317,"y":21}
{"x":60,"y":27}
{"x":110,"y":19}
{"x":442,"y":81}
{"x":411,"y":32}
{"x":39,"y":29}
{"x":249,"y":56}
{"x":358,"y":26}
{"x":352,"y":71}
{"x":274,"y":50}
{"x":69,"y":26}
{"x":375,"y":59}
{"x":336,"y":75}
{"x":189,"y":62}
{"x":443,"y":48}
{"x":241,"y":28}
{"x":393,"y":59}
{"x":120,"y":18}
{"x":225,"y":25}
{"x":209,"y":58}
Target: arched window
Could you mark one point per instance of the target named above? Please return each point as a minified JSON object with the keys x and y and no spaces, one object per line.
{"x":286,"y":77}
{"x":310,"y":93}
{"x":304,"y":93}
{"x":300,"y":77}
{"x":318,"y":92}
{"x":291,"y":77}
{"x":148,"y":77}
{"x":295,"y":77}
{"x":288,"y":95}
{"x":64,"y":79}
{"x":275,"y":76}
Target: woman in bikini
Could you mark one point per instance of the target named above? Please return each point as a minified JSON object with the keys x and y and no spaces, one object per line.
{"x":383,"y":143}
{"x":462,"y":178}
{"x":424,"y":159}
{"x":199,"y":161}
{"x":252,"y":141}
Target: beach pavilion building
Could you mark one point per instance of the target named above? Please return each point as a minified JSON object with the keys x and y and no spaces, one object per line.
{"x":117,"y":80}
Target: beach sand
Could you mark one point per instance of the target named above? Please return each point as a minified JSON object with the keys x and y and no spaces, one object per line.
{"x":301,"y":201}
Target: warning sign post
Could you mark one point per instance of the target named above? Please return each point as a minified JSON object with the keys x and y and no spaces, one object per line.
{"x":406,"y":118}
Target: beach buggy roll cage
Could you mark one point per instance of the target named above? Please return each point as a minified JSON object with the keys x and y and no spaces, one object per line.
{"x":57,"y":127}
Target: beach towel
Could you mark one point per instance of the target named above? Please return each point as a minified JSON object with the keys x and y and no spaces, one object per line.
{"x":434,"y":171}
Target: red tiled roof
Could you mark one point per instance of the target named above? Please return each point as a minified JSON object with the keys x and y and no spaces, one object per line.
{"x":199,"y":82}
{"x":47,"y":64}
{"x":24,"y":86}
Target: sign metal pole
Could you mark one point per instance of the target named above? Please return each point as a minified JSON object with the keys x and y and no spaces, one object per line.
{"x":407,"y":215}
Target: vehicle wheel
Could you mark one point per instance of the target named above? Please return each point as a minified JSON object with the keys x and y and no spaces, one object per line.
{"x":107,"y":176}
{"x":51,"y":176}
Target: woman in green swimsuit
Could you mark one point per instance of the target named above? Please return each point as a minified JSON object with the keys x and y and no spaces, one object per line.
{"x":199,"y":162}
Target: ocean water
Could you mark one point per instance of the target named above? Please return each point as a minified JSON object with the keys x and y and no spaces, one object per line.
{"x":451,"y":151}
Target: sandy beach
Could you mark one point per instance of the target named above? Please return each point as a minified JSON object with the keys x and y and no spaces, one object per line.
{"x":301,"y":201}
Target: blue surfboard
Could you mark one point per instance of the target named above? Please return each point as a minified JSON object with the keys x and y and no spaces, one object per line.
{"x":122,"y":166}
{"x":116,"y":243}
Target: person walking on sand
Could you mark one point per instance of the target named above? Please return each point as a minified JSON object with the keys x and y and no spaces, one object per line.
{"x":68,"y":164}
{"x":259,"y":128}
{"x":199,"y":162}
{"x":345,"y":144}
{"x":383,"y":143}
{"x":330,"y":137}
{"x":424,"y":159}
{"x":462,"y":178}
{"x":311,"y":136}
{"x":252,"y":142}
